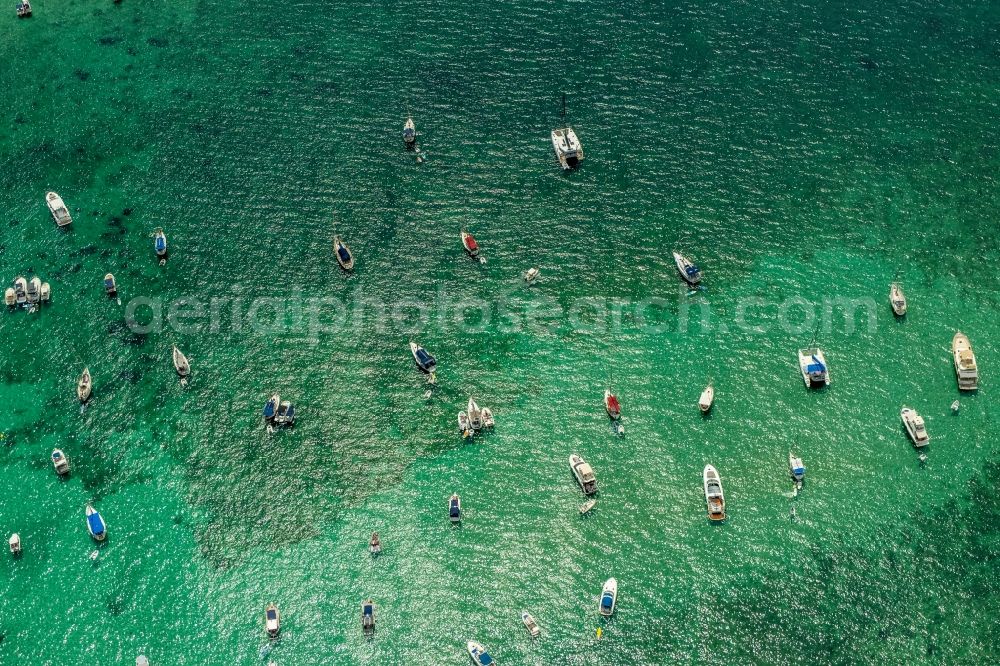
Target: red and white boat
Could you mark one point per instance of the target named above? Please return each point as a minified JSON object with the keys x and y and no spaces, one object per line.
{"x":470,"y":244}
{"x":611,"y":404}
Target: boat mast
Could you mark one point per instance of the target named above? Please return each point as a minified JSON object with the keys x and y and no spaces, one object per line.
{"x":564,"y":110}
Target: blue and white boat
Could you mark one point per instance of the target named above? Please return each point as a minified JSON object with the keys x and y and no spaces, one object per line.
{"x":687,"y":268}
{"x":796,"y":468}
{"x":271,"y":408}
{"x":424,"y":361}
{"x":343,"y":253}
{"x":95,"y":524}
{"x":285,"y":414}
{"x":479,"y":654}
{"x":455,"y":508}
{"x":368,"y":616}
{"x":160,"y":243}
{"x":24,"y":9}
{"x":60,"y":462}
{"x":812,"y":364}
{"x":609,"y":596}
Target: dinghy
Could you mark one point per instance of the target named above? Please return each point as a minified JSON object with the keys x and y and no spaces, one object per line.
{"x":84,"y":386}
{"x":897,"y":299}
{"x":15,"y":543}
{"x":609,"y":597}
{"x":531,"y":275}
{"x":713,"y":494}
{"x":584,"y":474}
{"x":706,"y":399}
{"x":409,"y":133}
{"x":587,"y":506}
{"x":455,"y":508}
{"x":611,"y":404}
{"x":160,"y":243}
{"x":141,"y":661}
{"x":530,"y":624}
{"x":58,"y":209}
{"x":687,"y":268}
{"x":271,"y":407}
{"x":60,"y":462}
{"x":181,"y":363}
{"x":343,"y":253}
{"x":424,"y":361}
{"x":95,"y":524}
{"x":272,"y":621}
{"x":368,"y":616}
{"x":470,"y":244}
{"x":479,"y":655}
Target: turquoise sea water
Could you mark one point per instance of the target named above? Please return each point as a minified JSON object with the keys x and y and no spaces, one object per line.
{"x":809,"y":151}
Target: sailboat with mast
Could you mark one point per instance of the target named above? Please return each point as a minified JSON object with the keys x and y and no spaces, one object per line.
{"x":568,"y":148}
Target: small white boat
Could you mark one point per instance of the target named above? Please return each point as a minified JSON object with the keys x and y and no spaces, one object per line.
{"x":611,"y":405}
{"x":10,"y":297}
{"x":343,"y":253}
{"x":687,"y":268}
{"x":424,"y":361}
{"x":470,"y":244}
{"x":713,"y":494}
{"x":812,"y":365}
{"x":23,"y":9}
{"x":84,"y":386}
{"x":584,"y":474}
{"x":110,"y":285}
{"x":455,"y":508}
{"x":706,"y":399}
{"x":796,"y":468}
{"x":530,"y":624}
{"x":95,"y":524}
{"x":375,"y":544}
{"x":965,"y":363}
{"x":409,"y":133}
{"x":479,"y":655}
{"x":60,"y":462}
{"x":20,"y":290}
{"x":181,"y":363}
{"x":897,"y":299}
{"x":272,"y":621}
{"x":915,"y":427}
{"x":46,"y":292}
{"x":58,"y":209}
{"x":488,"y":421}
{"x":160,"y":243}
{"x":587,"y":506}
{"x":609,"y":597}
{"x":286,"y":414}
{"x":15,"y":543}
{"x":955,"y":406}
{"x":463,"y":424}
{"x":368,"y":616}
{"x":141,"y":661}
{"x":34,"y":290}
{"x":531,"y":275}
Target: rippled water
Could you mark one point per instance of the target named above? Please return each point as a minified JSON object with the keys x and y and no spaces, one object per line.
{"x":812,"y":151}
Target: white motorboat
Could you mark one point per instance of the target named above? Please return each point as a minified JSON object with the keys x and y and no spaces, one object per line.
{"x":34,"y":290}
{"x":531,"y":275}
{"x":706,"y":399}
{"x":965,"y":363}
{"x":424,"y":360}
{"x":812,"y":365}
{"x":343,"y":253}
{"x":368,"y":616}
{"x":15,"y":543}
{"x":915,"y":427}
{"x":60,"y":462}
{"x":713,"y":494}
{"x":479,"y":655}
{"x":463,"y":424}
{"x":796,"y":468}
{"x":609,"y":597}
{"x":530,"y":624}
{"x":141,"y":661}
{"x":84,"y":386}
{"x":587,"y":506}
{"x":95,"y":524}
{"x":488,"y":421}
{"x":584,"y":474}
{"x":160,"y":243}
{"x":687,"y":268}
{"x":10,"y":297}
{"x":110,"y":285}
{"x":58,"y":209}
{"x":272,"y":621}
{"x":181,"y":363}
{"x":475,"y":415}
{"x":46,"y":292}
{"x":285,"y":416}
{"x":409,"y":133}
{"x":21,"y":290}
{"x":897,"y":299}
{"x":455,"y":508}
{"x":375,"y":544}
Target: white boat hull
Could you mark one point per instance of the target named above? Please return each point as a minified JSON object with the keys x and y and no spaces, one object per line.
{"x":609,"y":597}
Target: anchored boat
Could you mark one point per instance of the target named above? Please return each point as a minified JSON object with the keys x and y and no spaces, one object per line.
{"x":530,"y":624}
{"x":271,"y":407}
{"x":479,"y":655}
{"x":34,"y":291}
{"x":914,"y":424}
{"x":409,"y":133}
{"x":60,"y":462}
{"x":272,"y":621}
{"x":375,"y":544}
{"x":812,"y":364}
{"x":181,"y":363}
{"x":110,"y":285}
{"x":23,"y":9}
{"x":58,"y":209}
{"x":587,"y":506}
{"x":609,"y":597}
{"x":531,"y":275}
{"x":84,"y":386}
{"x":343,"y":253}
{"x":897,"y":299}
{"x":20,"y":290}
{"x":455,"y":508}
{"x":470,"y":244}
{"x":687,"y":268}
{"x":10,"y":297}
{"x":285,"y":414}
{"x":713,"y":494}
{"x":95,"y":524}
{"x":965,"y":363}
{"x":160,"y":243}
{"x":796,"y":468}
{"x":611,"y":404}
{"x":424,"y":361}
{"x":568,"y":148}
{"x":706,"y":399}
{"x":368,"y":616}
{"x":15,"y":543}
{"x":584,"y":474}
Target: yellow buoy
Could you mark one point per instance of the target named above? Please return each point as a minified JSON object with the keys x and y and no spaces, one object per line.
{"x":599,"y":632}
